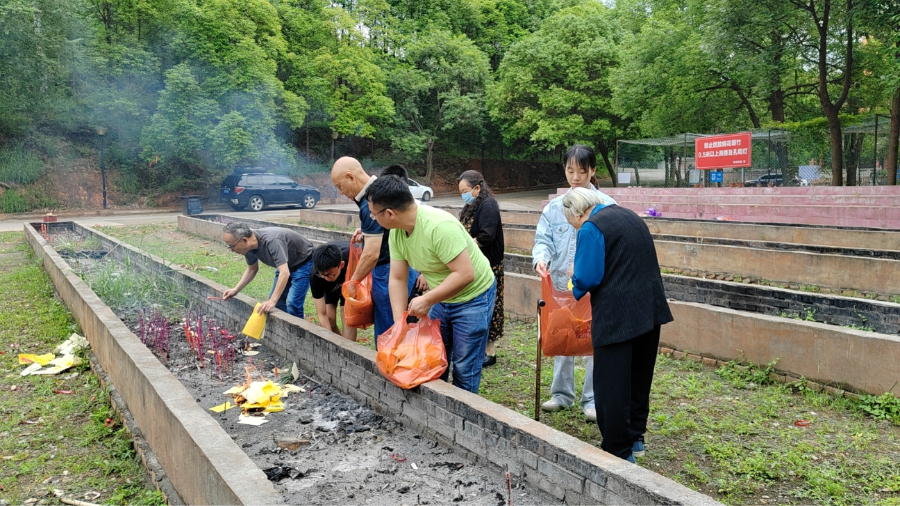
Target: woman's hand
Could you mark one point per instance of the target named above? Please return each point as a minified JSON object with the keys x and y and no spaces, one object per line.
{"x":541,"y":268}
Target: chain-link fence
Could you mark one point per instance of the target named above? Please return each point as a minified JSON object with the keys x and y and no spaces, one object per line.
{"x":779,"y":158}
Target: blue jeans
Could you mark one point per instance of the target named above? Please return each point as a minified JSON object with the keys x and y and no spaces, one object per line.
{"x":381,"y":297}
{"x":294,"y":295}
{"x":464,"y":329}
{"x":563,"y":386}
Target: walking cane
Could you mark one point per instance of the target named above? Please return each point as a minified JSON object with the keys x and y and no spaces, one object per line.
{"x":537,"y":364}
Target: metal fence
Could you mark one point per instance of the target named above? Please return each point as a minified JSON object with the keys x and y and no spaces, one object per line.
{"x":779,"y":158}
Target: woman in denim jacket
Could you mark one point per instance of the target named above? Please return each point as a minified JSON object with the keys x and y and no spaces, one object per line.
{"x":554,"y":253}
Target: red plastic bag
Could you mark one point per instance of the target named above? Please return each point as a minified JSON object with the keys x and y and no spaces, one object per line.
{"x":410,"y":354}
{"x":565,"y":322}
{"x":359,"y":312}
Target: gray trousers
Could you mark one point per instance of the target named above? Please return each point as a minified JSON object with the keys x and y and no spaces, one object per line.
{"x":563,"y":386}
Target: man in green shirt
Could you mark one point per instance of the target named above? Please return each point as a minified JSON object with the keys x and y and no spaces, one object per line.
{"x":461,"y":284}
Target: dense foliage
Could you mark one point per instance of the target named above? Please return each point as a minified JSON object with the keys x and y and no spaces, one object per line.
{"x":191,"y":88}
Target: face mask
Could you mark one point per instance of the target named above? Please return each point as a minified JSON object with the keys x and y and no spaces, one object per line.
{"x":468,"y":198}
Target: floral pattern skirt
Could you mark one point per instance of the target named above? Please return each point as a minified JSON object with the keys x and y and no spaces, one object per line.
{"x":496,"y":331}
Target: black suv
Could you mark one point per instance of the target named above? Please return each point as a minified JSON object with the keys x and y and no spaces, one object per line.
{"x":258,"y":189}
{"x":764,"y":180}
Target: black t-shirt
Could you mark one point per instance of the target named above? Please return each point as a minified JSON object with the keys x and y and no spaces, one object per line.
{"x":331,"y":290}
{"x":370,"y":227}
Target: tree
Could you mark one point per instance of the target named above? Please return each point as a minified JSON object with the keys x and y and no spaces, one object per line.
{"x":831,"y":25}
{"x":881,"y":18}
{"x":348,"y":86}
{"x":553,"y":86}
{"x":437,"y":87}
{"x":668,"y":83}
{"x":225,"y":92}
{"x":35,"y":61}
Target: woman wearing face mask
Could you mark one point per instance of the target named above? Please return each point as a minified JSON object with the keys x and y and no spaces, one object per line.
{"x":554,"y":254}
{"x":481,"y":217}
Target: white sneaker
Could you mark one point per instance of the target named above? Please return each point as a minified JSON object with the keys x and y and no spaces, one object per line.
{"x":551,"y":406}
{"x":590,"y":414}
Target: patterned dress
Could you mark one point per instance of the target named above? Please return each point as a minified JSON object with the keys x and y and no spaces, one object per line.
{"x":496,"y":331}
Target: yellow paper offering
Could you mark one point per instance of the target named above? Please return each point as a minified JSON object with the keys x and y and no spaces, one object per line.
{"x":256,"y":324}
{"x":29,"y":358}
{"x":222,"y":407}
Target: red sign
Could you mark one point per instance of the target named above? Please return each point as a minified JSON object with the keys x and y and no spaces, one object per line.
{"x":722,"y":151}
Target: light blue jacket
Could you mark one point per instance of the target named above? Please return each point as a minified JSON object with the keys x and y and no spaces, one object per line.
{"x":554,"y":240}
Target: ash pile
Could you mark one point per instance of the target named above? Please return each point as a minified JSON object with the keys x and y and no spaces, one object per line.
{"x":337,"y":451}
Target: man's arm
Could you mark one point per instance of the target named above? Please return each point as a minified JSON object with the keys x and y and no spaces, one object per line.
{"x":398,"y":287}
{"x":322,"y":313}
{"x":246,"y":277}
{"x":461,"y":274}
{"x":283,"y":276}
{"x":369,"y":257}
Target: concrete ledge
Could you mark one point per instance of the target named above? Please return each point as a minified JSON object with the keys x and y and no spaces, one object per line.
{"x":833,"y":271}
{"x":200,"y":459}
{"x":863,"y":361}
{"x":857,"y":238}
{"x":569,"y":469}
{"x":816,"y":235}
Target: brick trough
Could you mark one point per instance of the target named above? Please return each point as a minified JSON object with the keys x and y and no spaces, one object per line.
{"x":191,"y":445}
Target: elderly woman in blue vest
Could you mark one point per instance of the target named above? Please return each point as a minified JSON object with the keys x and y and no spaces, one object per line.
{"x":616,"y":263}
{"x":554,"y":253}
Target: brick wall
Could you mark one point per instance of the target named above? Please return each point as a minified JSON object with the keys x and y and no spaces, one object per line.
{"x":563,"y":466}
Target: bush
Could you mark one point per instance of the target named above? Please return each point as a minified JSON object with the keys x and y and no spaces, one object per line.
{"x":13,"y":202}
{"x":19,"y":165}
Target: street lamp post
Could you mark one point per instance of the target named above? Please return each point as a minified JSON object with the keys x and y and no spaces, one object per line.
{"x":101,"y":131}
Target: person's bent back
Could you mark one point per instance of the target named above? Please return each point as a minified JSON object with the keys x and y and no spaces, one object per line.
{"x":462,"y":286}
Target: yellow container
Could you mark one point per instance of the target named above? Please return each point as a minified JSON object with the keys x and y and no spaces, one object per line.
{"x":256,"y":324}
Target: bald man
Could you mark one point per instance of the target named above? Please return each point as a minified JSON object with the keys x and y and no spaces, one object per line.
{"x":352,"y":181}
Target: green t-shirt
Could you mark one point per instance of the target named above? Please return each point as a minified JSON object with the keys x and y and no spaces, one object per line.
{"x":437,"y":239}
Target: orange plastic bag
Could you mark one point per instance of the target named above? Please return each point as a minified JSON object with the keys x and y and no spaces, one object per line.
{"x":565,"y":322}
{"x":359,"y":312}
{"x":410,"y":354}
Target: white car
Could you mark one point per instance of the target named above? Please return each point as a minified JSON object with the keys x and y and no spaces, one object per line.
{"x":420,"y":192}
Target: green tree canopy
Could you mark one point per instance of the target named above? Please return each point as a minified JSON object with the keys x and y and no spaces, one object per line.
{"x":553,"y":86}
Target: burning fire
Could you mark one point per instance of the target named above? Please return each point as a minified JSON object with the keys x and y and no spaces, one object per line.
{"x":261,"y":396}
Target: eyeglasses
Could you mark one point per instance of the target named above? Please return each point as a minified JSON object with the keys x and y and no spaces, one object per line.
{"x":232,"y":246}
{"x":374,"y":215}
{"x":333,"y":273}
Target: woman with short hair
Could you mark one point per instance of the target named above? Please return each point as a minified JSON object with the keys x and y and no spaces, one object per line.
{"x":616,"y":263}
{"x":481,"y":218}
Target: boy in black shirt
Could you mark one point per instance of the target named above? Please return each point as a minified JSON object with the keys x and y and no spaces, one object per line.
{"x":328,"y":274}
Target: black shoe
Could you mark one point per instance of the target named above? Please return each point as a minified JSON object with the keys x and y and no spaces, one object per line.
{"x":489,"y":360}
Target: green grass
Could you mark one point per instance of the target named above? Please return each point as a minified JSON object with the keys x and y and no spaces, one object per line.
{"x":726,"y":432}
{"x":729,"y":432}
{"x":52,"y":441}
{"x":19,"y":165}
